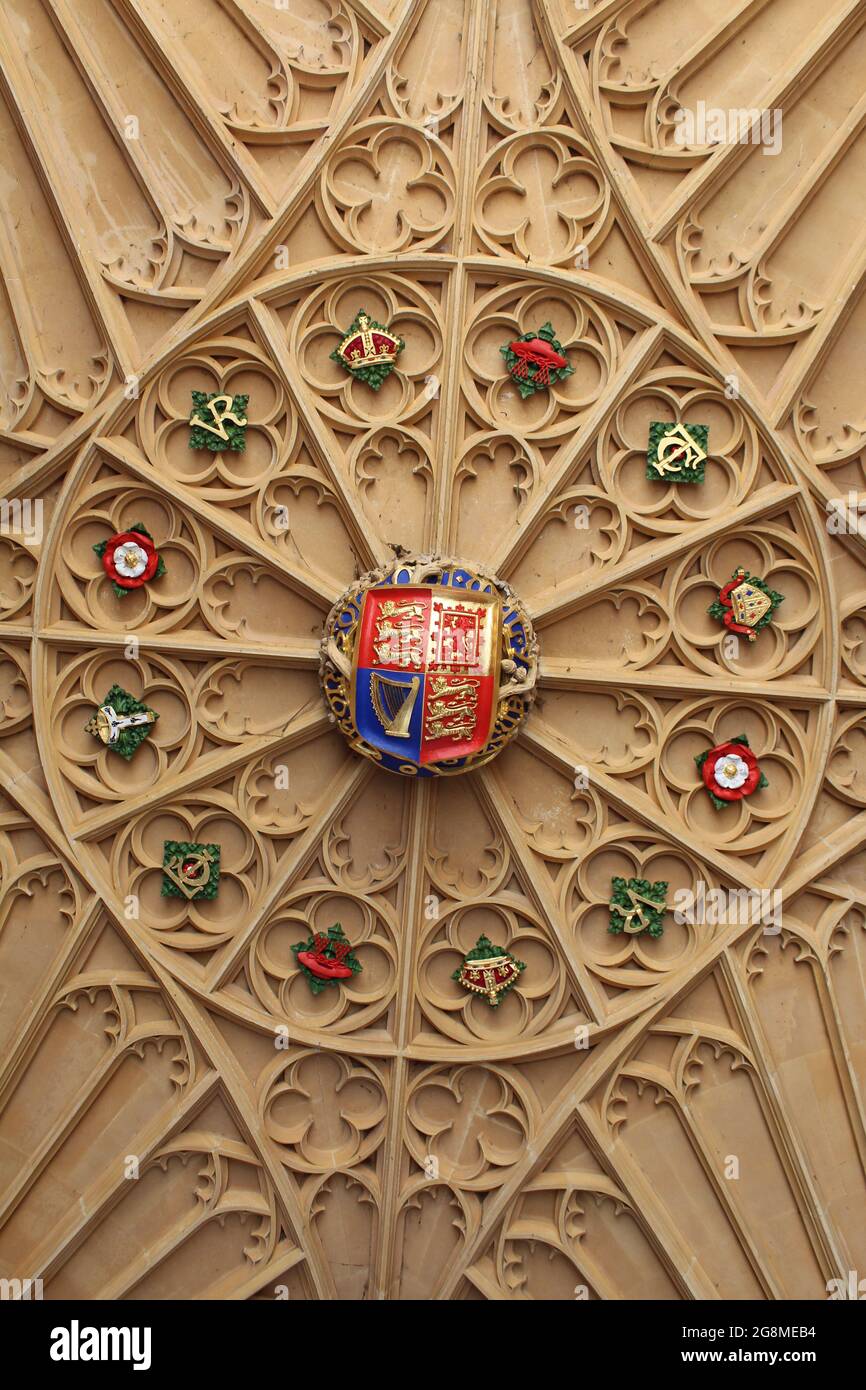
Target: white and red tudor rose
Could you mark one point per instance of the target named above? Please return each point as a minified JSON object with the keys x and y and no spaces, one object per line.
{"x":130,"y":559}
{"x":730,"y":771}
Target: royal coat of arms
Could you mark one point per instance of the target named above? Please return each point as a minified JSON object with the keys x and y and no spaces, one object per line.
{"x":428,"y":665}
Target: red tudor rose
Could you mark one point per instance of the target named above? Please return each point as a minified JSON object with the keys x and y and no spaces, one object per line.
{"x":130,"y":559}
{"x":730,"y":771}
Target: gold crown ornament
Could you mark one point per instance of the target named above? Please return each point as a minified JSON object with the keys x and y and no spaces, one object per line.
{"x":369,"y":350}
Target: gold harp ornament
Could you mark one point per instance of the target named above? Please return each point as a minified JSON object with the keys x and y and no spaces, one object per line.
{"x":394,"y":702}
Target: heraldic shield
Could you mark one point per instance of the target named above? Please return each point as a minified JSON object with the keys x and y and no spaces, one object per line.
{"x":428,"y":677}
{"x":424,"y":671}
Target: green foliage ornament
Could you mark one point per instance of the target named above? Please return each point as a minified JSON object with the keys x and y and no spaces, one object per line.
{"x":638,"y":906}
{"x":218,"y":422}
{"x":190,"y":870}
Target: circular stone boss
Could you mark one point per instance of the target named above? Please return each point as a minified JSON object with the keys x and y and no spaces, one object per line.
{"x":428,"y":665}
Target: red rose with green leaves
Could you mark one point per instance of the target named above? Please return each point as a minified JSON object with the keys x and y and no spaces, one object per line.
{"x":730,"y":771}
{"x":130,"y":559}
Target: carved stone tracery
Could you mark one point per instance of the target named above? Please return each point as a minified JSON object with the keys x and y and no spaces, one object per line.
{"x":467,"y":172}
